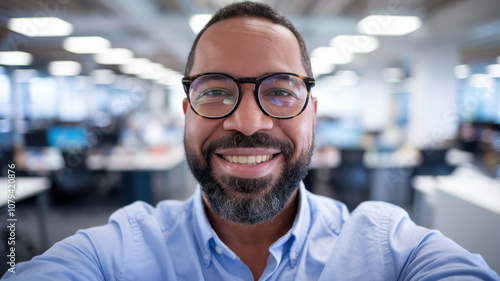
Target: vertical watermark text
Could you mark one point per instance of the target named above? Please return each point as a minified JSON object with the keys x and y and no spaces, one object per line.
{"x":11,"y":217}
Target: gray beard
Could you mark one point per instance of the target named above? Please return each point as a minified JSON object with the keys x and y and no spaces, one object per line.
{"x":253,"y":208}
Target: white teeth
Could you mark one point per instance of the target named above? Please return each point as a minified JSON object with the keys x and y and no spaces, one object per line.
{"x":248,"y":160}
{"x":242,"y":160}
{"x":251,"y":159}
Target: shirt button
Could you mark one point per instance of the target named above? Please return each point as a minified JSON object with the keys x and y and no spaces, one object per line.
{"x":218,"y":250}
{"x":293,"y":255}
{"x":206,"y":256}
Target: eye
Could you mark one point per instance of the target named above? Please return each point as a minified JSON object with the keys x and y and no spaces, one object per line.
{"x":215,"y":97}
{"x":213,"y":93}
{"x":280,"y":93}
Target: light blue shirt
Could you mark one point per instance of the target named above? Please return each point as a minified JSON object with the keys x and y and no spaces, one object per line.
{"x":175,"y":241}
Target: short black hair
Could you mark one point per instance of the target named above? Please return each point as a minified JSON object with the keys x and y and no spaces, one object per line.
{"x":252,"y":9}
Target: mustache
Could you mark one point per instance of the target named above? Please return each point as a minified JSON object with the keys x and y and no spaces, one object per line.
{"x":258,"y":139}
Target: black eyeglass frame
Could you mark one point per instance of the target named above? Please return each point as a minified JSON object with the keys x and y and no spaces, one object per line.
{"x":308,"y":82}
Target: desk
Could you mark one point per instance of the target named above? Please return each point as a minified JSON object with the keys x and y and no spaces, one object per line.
{"x":465,"y":207}
{"x":27,"y":187}
{"x":141,"y":171}
{"x":40,"y":160}
{"x":122,"y":159}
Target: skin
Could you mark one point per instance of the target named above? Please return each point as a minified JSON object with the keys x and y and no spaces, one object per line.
{"x":250,"y":47}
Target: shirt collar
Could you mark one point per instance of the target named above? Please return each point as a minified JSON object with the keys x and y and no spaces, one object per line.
{"x":300,"y":226}
{"x":205,"y":235}
{"x":202,"y":228}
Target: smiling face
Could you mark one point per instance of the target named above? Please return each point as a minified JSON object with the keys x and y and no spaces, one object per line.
{"x":248,"y":164}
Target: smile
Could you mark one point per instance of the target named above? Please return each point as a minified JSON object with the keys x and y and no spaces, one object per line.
{"x":248,"y":160}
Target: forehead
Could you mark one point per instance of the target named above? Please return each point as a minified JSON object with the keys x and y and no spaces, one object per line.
{"x":247,"y":46}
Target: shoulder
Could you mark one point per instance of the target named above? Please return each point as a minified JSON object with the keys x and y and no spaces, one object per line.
{"x":379,"y":214}
{"x":369,"y":216}
{"x":142,"y":215}
{"x":137,"y":231}
{"x":386,"y":225}
{"x":383,"y":235}
{"x":373,"y":213}
{"x":138,"y":224}
{"x":329,"y":211}
{"x":374,"y":243}
{"x":379,"y":207}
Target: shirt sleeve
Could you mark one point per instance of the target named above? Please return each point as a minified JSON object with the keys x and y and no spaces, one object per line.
{"x":74,"y":258}
{"x":130,"y":247}
{"x":422,"y":254}
{"x":380,"y":242}
{"x":439,"y":258}
{"x":97,"y":253}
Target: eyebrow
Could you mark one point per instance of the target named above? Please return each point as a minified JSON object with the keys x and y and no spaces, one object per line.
{"x":239,"y":77}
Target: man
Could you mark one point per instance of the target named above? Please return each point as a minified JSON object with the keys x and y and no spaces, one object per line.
{"x":249,"y":138}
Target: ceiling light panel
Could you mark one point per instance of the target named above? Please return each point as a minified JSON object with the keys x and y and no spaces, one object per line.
{"x":40,"y":26}
{"x":320,"y":67}
{"x":103,"y":76}
{"x":15,"y":58}
{"x":64,"y":68}
{"x":332,"y":55}
{"x":494,"y":70}
{"x":389,"y":25}
{"x":135,"y":66}
{"x":86,"y":44}
{"x":114,"y":56}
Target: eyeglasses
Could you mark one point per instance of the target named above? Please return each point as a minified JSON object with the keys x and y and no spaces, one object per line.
{"x":217,"y":95}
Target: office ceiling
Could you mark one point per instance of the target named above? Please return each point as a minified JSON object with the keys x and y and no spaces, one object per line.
{"x":159,"y":29}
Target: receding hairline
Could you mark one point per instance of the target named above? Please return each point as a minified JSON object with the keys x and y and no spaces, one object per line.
{"x":255,"y":10}
{"x":273,"y":31}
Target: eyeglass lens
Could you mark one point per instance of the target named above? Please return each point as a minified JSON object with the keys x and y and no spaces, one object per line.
{"x":280,"y":95}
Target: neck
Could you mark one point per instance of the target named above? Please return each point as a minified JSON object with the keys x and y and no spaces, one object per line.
{"x":251,"y":242}
{"x":269,"y":231}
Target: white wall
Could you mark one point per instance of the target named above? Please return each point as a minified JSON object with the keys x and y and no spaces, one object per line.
{"x":433,"y":115}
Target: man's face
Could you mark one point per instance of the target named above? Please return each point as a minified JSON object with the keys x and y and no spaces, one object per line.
{"x":240,"y":192}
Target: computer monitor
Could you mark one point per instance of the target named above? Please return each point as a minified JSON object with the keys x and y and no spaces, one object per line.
{"x":35,"y":138}
{"x":67,"y":137}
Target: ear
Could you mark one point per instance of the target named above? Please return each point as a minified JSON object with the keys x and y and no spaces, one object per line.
{"x":315,"y":109}
{"x":185,"y":105}
{"x":315,"y":105}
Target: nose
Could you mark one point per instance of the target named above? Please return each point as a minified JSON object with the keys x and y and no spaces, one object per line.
{"x":248,"y":117}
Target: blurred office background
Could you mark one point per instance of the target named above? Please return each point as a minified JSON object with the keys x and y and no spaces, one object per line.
{"x":408,"y":111}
